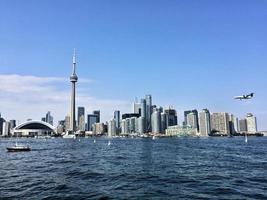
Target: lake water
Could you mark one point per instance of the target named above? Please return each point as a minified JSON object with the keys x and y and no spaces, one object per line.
{"x":165,"y":168}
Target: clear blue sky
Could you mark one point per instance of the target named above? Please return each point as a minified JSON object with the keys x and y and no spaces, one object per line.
{"x":189,"y":54}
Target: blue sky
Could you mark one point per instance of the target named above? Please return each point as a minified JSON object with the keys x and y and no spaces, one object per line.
{"x":189,"y":54}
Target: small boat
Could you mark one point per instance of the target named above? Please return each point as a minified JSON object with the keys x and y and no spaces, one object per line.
{"x":18,"y":148}
{"x":109,"y":143}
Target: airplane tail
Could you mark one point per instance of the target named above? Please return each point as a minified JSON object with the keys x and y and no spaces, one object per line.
{"x":252,"y":94}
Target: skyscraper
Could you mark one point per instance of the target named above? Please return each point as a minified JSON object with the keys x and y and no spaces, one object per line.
{"x":163,"y":125}
{"x":220,"y":123}
{"x":204,"y":122}
{"x":81,"y":118}
{"x":97,"y":113}
{"x":251,"y":123}
{"x":49,"y":118}
{"x":171,"y":117}
{"x":188,"y":112}
{"x":192,"y":120}
{"x":143,"y":111}
{"x":73,"y":80}
{"x":117,"y":118}
{"x":91,"y":119}
{"x":148,"y":99}
{"x":243,"y":125}
{"x":156,"y":122}
{"x":111,"y":128}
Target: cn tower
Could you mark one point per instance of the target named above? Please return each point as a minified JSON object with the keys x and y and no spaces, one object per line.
{"x":73,"y":80}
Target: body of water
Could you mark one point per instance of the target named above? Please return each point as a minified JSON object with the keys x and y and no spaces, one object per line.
{"x":165,"y":168}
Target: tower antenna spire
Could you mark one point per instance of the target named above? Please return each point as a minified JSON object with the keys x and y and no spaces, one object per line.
{"x":74,"y":61}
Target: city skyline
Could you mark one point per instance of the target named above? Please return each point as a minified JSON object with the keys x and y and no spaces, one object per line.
{"x":123,"y":53}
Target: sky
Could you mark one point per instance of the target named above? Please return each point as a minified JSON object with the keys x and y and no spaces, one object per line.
{"x":185,"y":53}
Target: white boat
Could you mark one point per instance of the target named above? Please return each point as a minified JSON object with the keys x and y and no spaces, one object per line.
{"x":246,"y":138}
{"x":69,"y":136}
{"x":18,"y":148}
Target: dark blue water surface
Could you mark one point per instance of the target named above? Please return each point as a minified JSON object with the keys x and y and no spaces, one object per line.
{"x":166,"y":168}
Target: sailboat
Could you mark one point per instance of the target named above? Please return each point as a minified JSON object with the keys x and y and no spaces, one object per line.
{"x":18,"y":148}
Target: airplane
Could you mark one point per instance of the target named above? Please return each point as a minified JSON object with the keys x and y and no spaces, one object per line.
{"x":245,"y":97}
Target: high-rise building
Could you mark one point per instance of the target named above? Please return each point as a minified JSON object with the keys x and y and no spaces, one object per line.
{"x":91,"y":119}
{"x":233,"y":124}
{"x":188,"y":112}
{"x":148,"y":99}
{"x":2,"y":120}
{"x":123,"y":126}
{"x":137,"y":108}
{"x":6,"y":129}
{"x":171,"y":117}
{"x":144,"y":112}
{"x":251,"y":123}
{"x":67,"y":123}
{"x":98,"y":128}
{"x":97,"y":113}
{"x":220,"y":123}
{"x":243,"y":125}
{"x":156,"y":122}
{"x":112,"y":128}
{"x":49,"y":118}
{"x":192,"y":120}
{"x":117,"y":119}
{"x":73,"y":80}
{"x":81,"y":118}
{"x":141,"y":125}
{"x":204,"y":122}
{"x":163,"y":125}
{"x":12,"y":123}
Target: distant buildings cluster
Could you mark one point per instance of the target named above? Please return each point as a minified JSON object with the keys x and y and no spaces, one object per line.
{"x":148,"y":119}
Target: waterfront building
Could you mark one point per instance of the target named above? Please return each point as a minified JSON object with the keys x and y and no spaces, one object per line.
{"x":123,"y":126}
{"x":163,"y":120}
{"x":171,"y":117}
{"x":204,"y":123}
{"x":2,"y":120}
{"x":192,"y":119}
{"x":73,"y":80}
{"x":141,"y":125}
{"x":112,"y":128}
{"x":233,"y":124}
{"x":6,"y":129}
{"x":91,"y":119}
{"x":156,"y":122}
{"x":243,"y":125}
{"x":34,"y":128}
{"x":181,"y":131}
{"x":133,"y":124}
{"x":127,"y":126}
{"x":98,"y":128}
{"x":220,"y":123}
{"x":117,"y":119}
{"x":81,"y":118}
{"x":188,"y":112}
{"x":97,"y":113}
{"x":251,"y":123}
